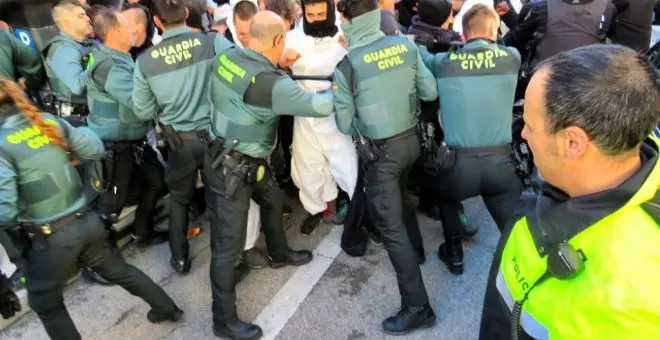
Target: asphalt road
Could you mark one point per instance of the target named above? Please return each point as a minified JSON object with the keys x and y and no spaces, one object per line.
{"x":334,"y":297}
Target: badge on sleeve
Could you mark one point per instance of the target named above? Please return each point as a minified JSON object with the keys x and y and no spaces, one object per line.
{"x":335,"y":87}
{"x":261,"y":171}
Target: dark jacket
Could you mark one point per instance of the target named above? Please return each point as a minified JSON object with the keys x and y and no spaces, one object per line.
{"x":634,"y":23}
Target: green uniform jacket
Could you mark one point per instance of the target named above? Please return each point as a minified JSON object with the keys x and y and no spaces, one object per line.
{"x":477,"y":85}
{"x":65,"y":63}
{"x":16,"y":55}
{"x":249,"y":93}
{"x":37,"y":182}
{"x":110,"y":97}
{"x":171,"y":79}
{"x":378,"y":83}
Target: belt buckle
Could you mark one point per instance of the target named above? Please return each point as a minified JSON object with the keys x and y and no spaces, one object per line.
{"x":46,"y":229}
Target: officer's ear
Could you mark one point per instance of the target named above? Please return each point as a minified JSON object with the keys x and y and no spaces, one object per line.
{"x":279,"y":40}
{"x":158,"y":22}
{"x":575,"y":142}
{"x":187,"y":13}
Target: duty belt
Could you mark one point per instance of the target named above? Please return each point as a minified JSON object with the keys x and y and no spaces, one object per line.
{"x":201,"y":135}
{"x":406,"y":133}
{"x":52,"y":227}
{"x":503,"y":149}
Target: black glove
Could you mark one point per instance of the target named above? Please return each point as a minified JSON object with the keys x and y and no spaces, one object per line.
{"x":9,"y":302}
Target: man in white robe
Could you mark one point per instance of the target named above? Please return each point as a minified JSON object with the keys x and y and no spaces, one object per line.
{"x":322,"y":157}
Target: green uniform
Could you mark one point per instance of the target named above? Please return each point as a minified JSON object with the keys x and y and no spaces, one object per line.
{"x":16,"y":55}
{"x":110,"y":97}
{"x":249,"y":93}
{"x":66,"y":59}
{"x":29,"y":192}
{"x":476,"y":85}
{"x":378,"y":83}
{"x":171,"y":79}
{"x":616,"y":295}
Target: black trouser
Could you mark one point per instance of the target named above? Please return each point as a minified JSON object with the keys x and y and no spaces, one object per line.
{"x":181,"y":179}
{"x":84,"y":241}
{"x":228,"y":220}
{"x":489,"y":174}
{"x":385,"y":181}
{"x":285,"y":138}
{"x":126,"y":175}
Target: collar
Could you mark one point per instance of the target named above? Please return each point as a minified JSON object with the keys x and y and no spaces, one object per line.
{"x":112,"y":51}
{"x":174,"y":32}
{"x":70,"y":37}
{"x":256,"y":56}
{"x":363,"y":29}
{"x":558,"y":217}
{"x":479,"y":42}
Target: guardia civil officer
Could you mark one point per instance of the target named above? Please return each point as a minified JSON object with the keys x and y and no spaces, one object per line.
{"x":376,"y":88}
{"x":170,"y":86}
{"x":109,"y":91}
{"x":476,"y":158}
{"x":44,"y":209}
{"x":582,"y":261}
{"x":66,"y":57}
{"x":16,"y":56}
{"x":249,"y":94}
{"x":430,"y":28}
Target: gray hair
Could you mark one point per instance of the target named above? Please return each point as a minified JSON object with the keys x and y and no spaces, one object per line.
{"x":609,"y":91}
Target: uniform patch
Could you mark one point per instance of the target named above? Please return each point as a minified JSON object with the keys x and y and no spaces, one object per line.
{"x":261,"y":171}
{"x":335,"y":87}
{"x":31,"y":135}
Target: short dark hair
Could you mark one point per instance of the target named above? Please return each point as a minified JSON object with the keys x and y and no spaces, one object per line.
{"x":170,"y":12}
{"x":245,"y":10}
{"x":105,"y":19}
{"x":284,"y":8}
{"x":354,"y":8}
{"x":310,"y":2}
{"x":196,"y":11}
{"x":609,"y":91}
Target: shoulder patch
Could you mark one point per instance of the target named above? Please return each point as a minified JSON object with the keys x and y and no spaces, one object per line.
{"x":260,"y":91}
{"x":346,"y":68}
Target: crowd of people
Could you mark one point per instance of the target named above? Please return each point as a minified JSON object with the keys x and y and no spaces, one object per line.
{"x":360,"y":103}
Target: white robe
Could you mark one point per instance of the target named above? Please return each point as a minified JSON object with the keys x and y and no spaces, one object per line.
{"x":322,"y":157}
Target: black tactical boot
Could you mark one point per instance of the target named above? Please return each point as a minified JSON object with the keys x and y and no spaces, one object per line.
{"x":451,"y":253}
{"x":294,"y":258}
{"x":180,"y":266}
{"x":310,"y":224}
{"x":151,"y":239}
{"x":237,"y":330}
{"x":408,"y":319}
{"x":156,"y":317}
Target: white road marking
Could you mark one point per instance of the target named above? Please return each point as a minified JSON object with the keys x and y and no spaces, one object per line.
{"x":284,"y":304}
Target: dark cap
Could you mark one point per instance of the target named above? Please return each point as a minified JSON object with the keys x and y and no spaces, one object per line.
{"x":434,"y":12}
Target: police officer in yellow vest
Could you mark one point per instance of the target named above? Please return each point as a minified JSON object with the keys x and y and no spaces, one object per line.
{"x":583,"y":262}
{"x":43,"y":209}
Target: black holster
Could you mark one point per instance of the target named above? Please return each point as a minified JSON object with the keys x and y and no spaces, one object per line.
{"x":28,"y":235}
{"x":170,"y":137}
{"x":365,"y":148}
{"x":429,"y":148}
{"x":445,"y":157}
{"x":234,"y":166}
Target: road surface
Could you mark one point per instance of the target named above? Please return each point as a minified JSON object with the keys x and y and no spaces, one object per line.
{"x":336,"y":297}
